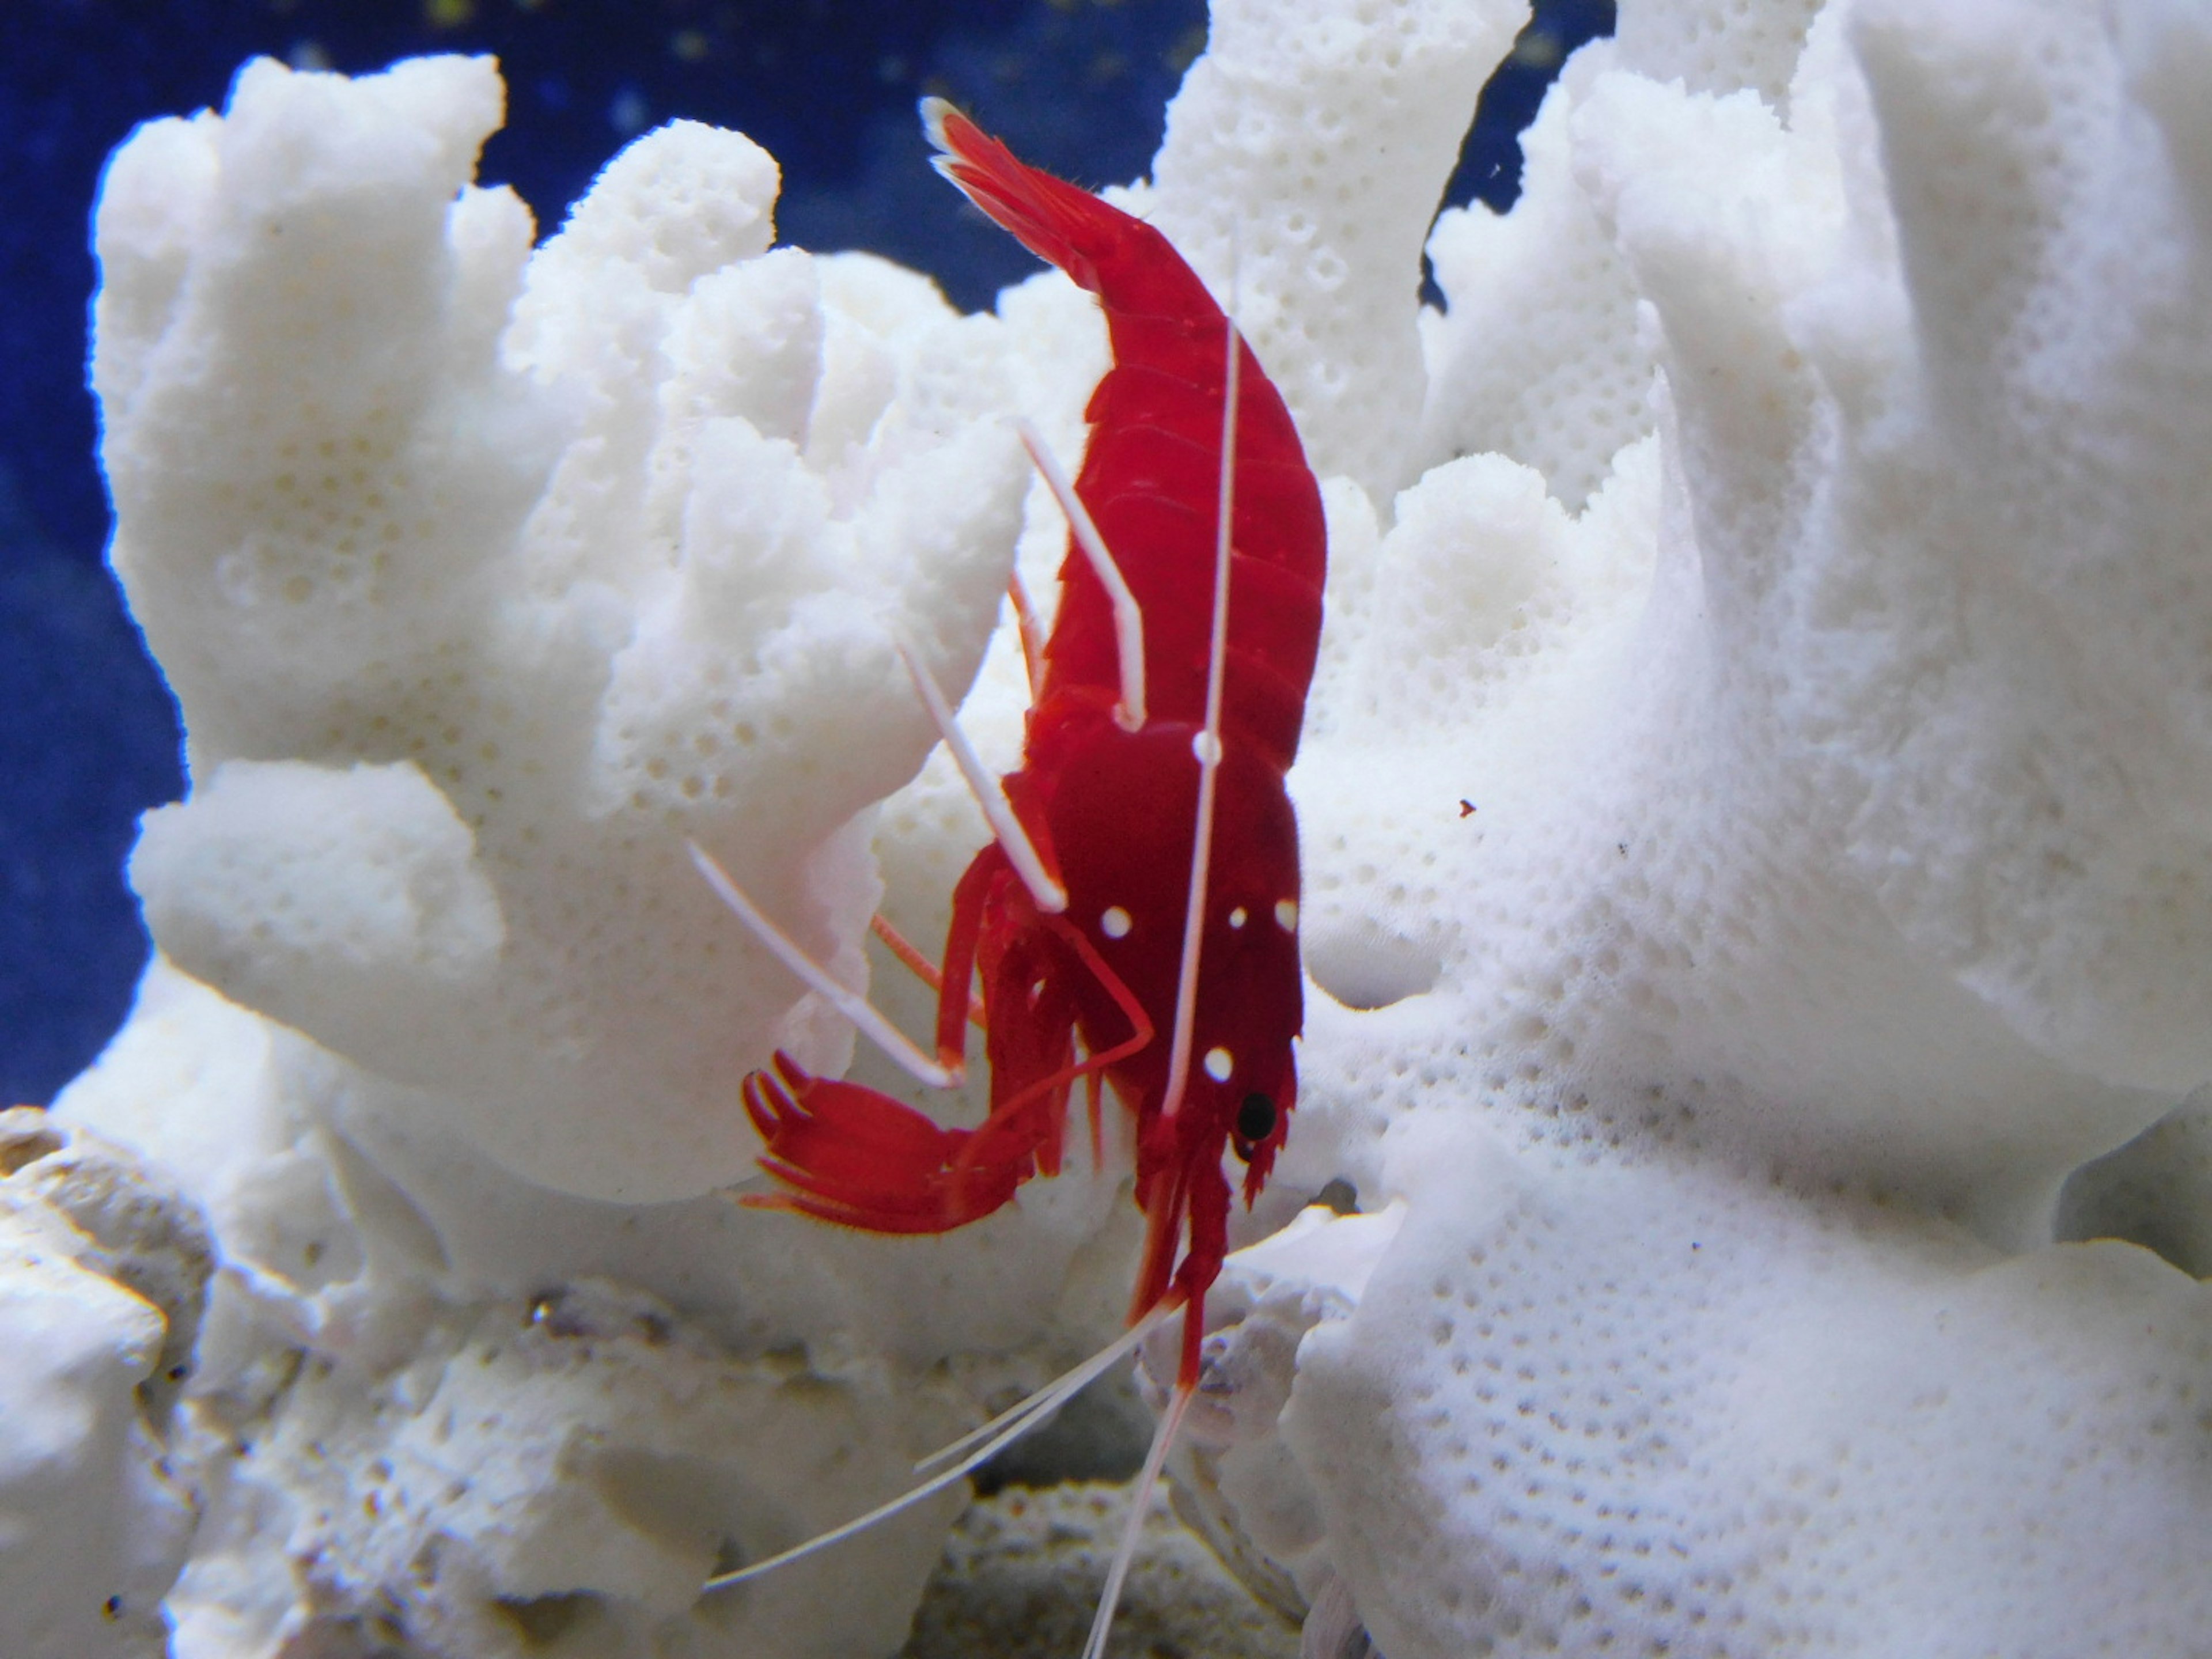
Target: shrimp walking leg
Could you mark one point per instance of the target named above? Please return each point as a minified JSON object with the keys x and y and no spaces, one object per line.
{"x":915,"y":963}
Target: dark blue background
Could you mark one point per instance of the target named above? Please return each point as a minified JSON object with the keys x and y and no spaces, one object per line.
{"x":88,"y":735}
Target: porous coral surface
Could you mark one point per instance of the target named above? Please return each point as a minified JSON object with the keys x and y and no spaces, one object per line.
{"x":1759,"y":851}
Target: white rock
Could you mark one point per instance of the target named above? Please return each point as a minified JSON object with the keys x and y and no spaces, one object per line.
{"x":575,"y":1408}
{"x":1569,"y":383}
{"x":571,"y":1468}
{"x":103,"y":1276}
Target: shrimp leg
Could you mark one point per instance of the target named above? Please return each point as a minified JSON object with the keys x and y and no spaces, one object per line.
{"x":916,"y":963}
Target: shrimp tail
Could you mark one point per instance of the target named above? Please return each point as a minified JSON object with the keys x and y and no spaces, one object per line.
{"x":1150,"y":472}
{"x":1126,"y":262}
{"x":1049,"y":216}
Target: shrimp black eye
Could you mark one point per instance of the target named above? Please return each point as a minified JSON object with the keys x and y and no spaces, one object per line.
{"x":1255,"y":1121}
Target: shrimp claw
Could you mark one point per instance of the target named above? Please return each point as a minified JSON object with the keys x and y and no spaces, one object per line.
{"x":848,"y":1154}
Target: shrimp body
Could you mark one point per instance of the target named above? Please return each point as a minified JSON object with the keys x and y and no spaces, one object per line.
{"x":1092,"y":991}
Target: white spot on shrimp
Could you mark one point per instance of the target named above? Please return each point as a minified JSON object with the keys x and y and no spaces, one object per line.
{"x":1114,"y":924}
{"x":1237,"y":917}
{"x":1205,"y":746}
{"x":1219,"y":1063}
{"x":1286,"y":914}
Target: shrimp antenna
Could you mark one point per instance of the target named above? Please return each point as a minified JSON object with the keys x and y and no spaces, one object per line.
{"x":971,"y":1450}
{"x":1030,"y":1410}
{"x":842,"y":997}
{"x":1209,"y":742}
{"x":1201,"y":852}
{"x":1140,"y":1502}
{"x":1128,"y":616}
{"x":1021,"y":852}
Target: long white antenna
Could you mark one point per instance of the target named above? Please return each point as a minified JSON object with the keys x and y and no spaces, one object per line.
{"x":1208,"y":745}
{"x":1021,"y":852}
{"x":1140,"y":1500}
{"x":1129,"y":619}
{"x":1209,"y":741}
{"x":1056,"y":1393}
{"x":980,"y":1448}
{"x":843,"y":998}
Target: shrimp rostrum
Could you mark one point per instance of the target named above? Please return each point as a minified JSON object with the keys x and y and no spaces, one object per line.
{"x":1135,"y":925}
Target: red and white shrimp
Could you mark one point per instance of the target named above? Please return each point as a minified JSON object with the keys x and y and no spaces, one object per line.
{"x":1136,"y":921}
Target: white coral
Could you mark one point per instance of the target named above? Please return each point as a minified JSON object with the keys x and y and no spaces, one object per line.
{"x":1758,"y":836}
{"x":531,"y":600}
{"x":1836,"y":882}
{"x":487,"y":577}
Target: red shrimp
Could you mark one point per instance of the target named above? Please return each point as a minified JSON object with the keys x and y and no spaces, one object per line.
{"x":1135,"y":923}
{"x":1113,"y":811}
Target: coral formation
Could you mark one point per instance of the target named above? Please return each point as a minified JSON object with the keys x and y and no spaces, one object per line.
{"x":487,"y":578}
{"x":1755,"y":809}
{"x":501,"y":575}
{"x":1837,"y":883}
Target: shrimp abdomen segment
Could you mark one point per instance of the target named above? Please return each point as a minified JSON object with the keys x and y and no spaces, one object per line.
{"x":1096,"y":245}
{"x":1150,"y":473}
